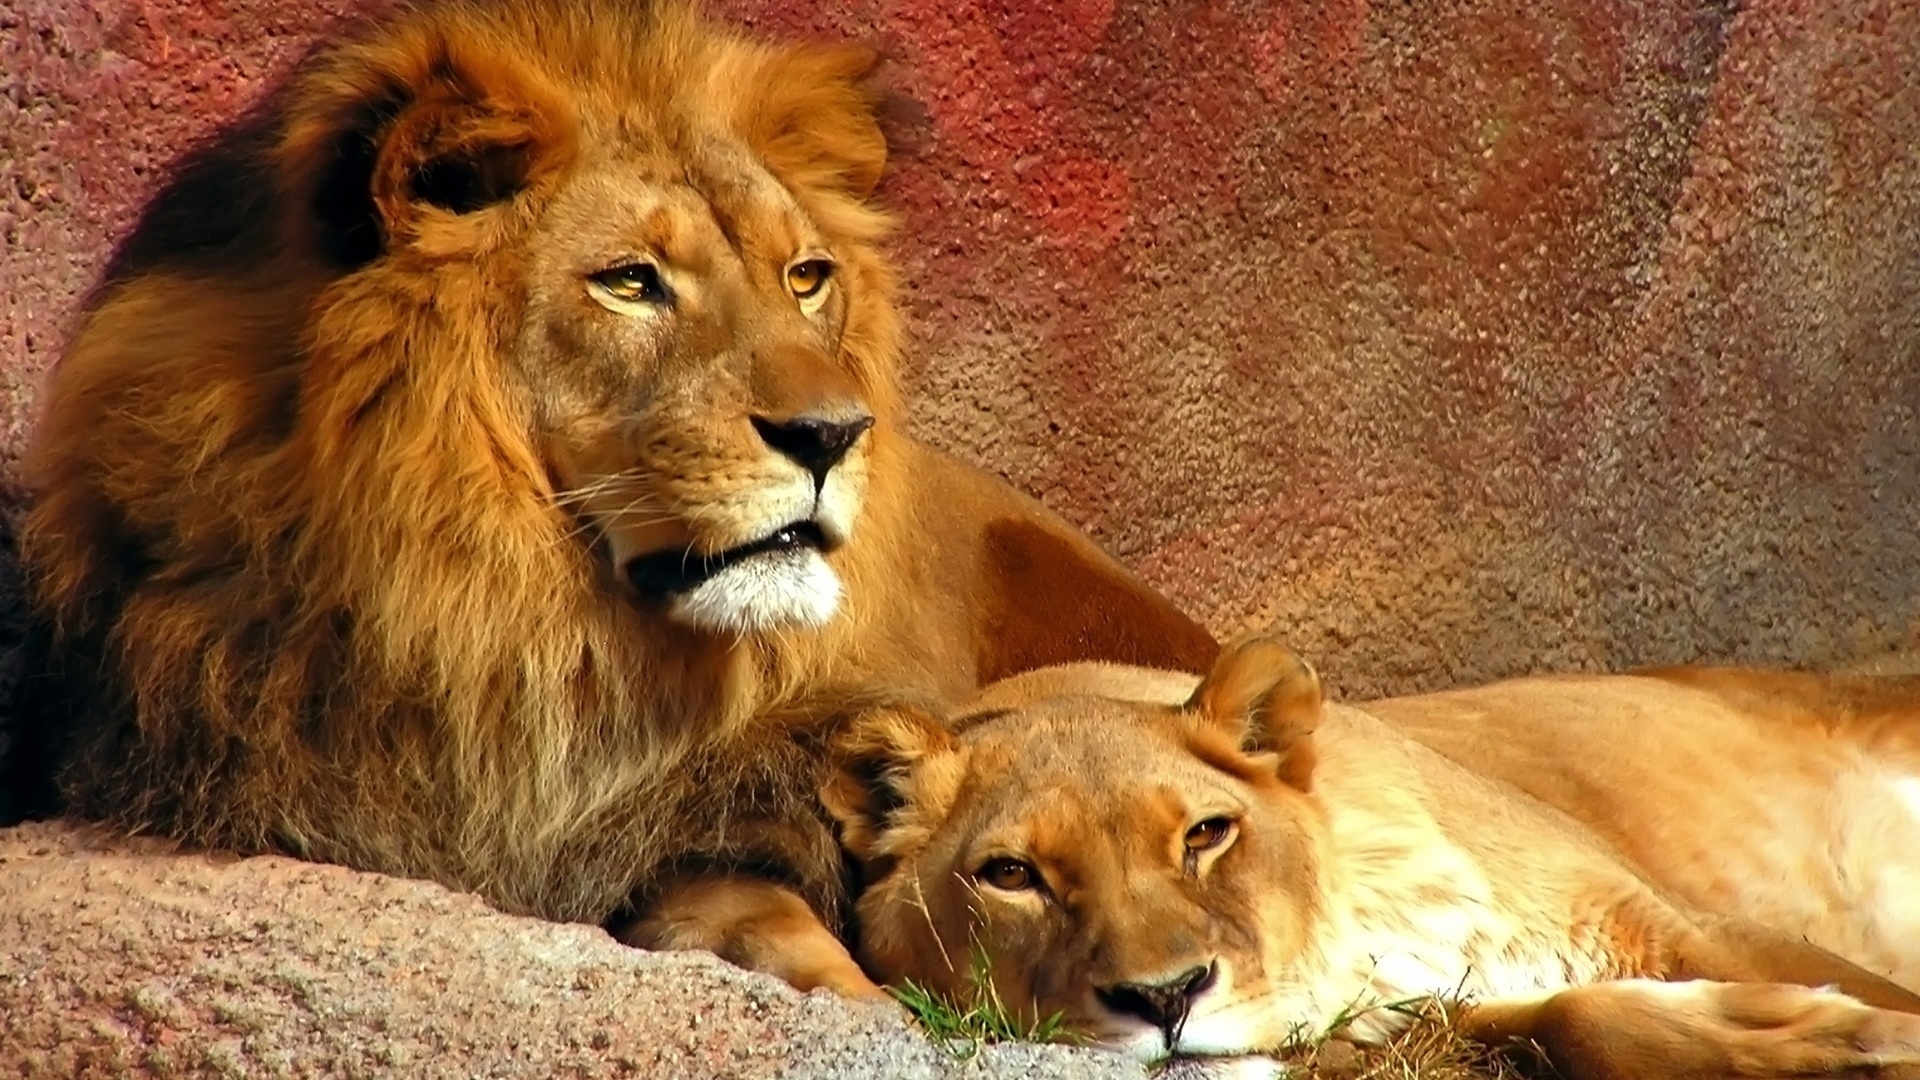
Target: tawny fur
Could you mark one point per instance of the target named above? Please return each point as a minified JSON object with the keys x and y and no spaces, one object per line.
{"x":330,"y":471}
{"x":1546,"y":850}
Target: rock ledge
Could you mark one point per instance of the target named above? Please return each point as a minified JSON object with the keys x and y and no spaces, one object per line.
{"x":129,"y":958}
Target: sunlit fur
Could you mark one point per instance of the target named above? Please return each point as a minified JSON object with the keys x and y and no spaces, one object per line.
{"x":1492,"y":845}
{"x":340,"y":473}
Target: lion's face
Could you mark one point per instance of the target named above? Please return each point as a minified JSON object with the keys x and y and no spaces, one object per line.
{"x":664,"y":233}
{"x":1145,"y":870}
{"x":684,"y":341}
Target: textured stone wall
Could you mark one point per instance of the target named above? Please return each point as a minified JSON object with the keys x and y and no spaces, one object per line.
{"x":1455,"y":338}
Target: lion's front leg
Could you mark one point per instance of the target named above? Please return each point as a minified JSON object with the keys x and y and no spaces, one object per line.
{"x":1704,"y":1030}
{"x":753,"y":923}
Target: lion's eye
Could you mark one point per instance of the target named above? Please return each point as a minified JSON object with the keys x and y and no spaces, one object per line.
{"x":807,"y":277}
{"x":1011,"y":875}
{"x":1209,"y":834}
{"x":637,"y":283}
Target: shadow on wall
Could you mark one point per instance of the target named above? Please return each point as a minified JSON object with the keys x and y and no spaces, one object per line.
{"x":22,"y":778}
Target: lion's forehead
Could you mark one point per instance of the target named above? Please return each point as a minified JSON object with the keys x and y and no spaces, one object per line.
{"x":1122,"y":743}
{"x":690,"y":217}
{"x":1068,"y":786}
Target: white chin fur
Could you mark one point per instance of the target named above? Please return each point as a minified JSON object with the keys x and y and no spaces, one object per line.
{"x":1215,"y":1033}
{"x":1149,"y":1048}
{"x":774,"y":591}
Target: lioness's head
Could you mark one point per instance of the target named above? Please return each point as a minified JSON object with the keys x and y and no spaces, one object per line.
{"x":1130,"y":852}
{"x":683,"y":300}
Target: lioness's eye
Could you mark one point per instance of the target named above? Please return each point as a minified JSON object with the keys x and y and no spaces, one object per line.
{"x":634,"y":282}
{"x":808,"y":276}
{"x":1011,"y":875}
{"x":1209,"y":834}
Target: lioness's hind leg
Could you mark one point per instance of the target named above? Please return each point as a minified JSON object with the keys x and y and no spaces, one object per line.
{"x":1702,"y":1030}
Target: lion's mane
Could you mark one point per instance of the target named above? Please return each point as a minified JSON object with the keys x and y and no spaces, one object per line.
{"x":302,"y":566}
{"x":308,"y":579}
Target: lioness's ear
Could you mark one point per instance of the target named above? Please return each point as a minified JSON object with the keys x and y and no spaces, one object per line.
{"x":417,"y":130}
{"x":812,"y":113}
{"x":889,"y":763}
{"x":1266,"y":697}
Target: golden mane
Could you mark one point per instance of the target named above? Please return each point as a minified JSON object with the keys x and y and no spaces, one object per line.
{"x":310,"y":580}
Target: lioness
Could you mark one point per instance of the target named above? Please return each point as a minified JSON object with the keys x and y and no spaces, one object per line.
{"x":484,"y":463}
{"x":1221,"y":868}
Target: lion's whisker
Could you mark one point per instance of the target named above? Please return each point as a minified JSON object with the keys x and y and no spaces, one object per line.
{"x":602,"y":483}
{"x":920,"y":902}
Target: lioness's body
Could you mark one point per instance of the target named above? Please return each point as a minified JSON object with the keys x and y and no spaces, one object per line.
{"x":485,"y":463}
{"x":1790,"y":800}
{"x":1501,"y":845}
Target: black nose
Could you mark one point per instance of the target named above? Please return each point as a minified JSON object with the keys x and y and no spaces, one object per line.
{"x":1162,"y":1004}
{"x":816,"y":443}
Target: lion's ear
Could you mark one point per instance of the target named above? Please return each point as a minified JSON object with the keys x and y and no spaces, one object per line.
{"x":414,"y":136}
{"x":813,"y":115}
{"x":1266,"y":697}
{"x":888,"y":765}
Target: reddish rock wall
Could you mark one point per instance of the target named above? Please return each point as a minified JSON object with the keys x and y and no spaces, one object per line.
{"x":1457,"y":338}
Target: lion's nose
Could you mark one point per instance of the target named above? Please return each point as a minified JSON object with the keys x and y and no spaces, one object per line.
{"x":1163,"y":1004}
{"x":815,"y":442}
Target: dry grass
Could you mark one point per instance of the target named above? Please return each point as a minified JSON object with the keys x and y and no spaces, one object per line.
{"x":1432,"y":1049}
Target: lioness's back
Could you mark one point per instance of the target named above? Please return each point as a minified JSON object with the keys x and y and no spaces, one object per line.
{"x":1784,"y":798}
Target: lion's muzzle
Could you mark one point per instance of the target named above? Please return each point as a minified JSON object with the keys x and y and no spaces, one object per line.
{"x":815,"y":443}
{"x":664,"y":575}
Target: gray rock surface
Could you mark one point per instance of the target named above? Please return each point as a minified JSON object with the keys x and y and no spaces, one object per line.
{"x":127,"y":958}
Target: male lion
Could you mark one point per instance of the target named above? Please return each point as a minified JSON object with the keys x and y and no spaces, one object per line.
{"x":485,"y":464}
{"x":1219,"y":869}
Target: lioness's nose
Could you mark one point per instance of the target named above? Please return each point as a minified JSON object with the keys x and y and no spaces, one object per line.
{"x":1163,"y":1004}
{"x":816,"y":442}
